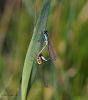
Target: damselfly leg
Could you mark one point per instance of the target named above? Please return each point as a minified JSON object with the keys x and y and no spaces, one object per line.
{"x":51,"y":51}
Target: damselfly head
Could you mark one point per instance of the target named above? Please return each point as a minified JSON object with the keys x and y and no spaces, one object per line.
{"x":45,"y":33}
{"x":39,"y":59}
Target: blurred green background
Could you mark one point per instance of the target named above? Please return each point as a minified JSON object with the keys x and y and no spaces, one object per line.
{"x":68,"y":30}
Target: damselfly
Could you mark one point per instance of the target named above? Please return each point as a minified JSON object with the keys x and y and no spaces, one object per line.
{"x":48,"y":45}
{"x":41,"y":58}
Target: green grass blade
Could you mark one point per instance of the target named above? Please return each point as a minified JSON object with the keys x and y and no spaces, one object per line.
{"x":34,"y":48}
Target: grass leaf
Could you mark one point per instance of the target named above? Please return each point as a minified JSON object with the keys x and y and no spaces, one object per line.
{"x":34,"y":48}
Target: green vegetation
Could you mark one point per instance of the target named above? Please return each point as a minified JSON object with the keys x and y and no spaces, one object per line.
{"x":21,"y":24}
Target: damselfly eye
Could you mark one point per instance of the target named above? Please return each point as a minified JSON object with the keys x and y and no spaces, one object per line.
{"x":45,"y":32}
{"x":39,"y":59}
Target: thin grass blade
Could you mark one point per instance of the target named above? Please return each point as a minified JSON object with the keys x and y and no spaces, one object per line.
{"x":34,"y":48}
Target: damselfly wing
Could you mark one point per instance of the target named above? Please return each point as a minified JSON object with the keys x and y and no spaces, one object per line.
{"x":44,"y":76}
{"x":51,"y":51}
